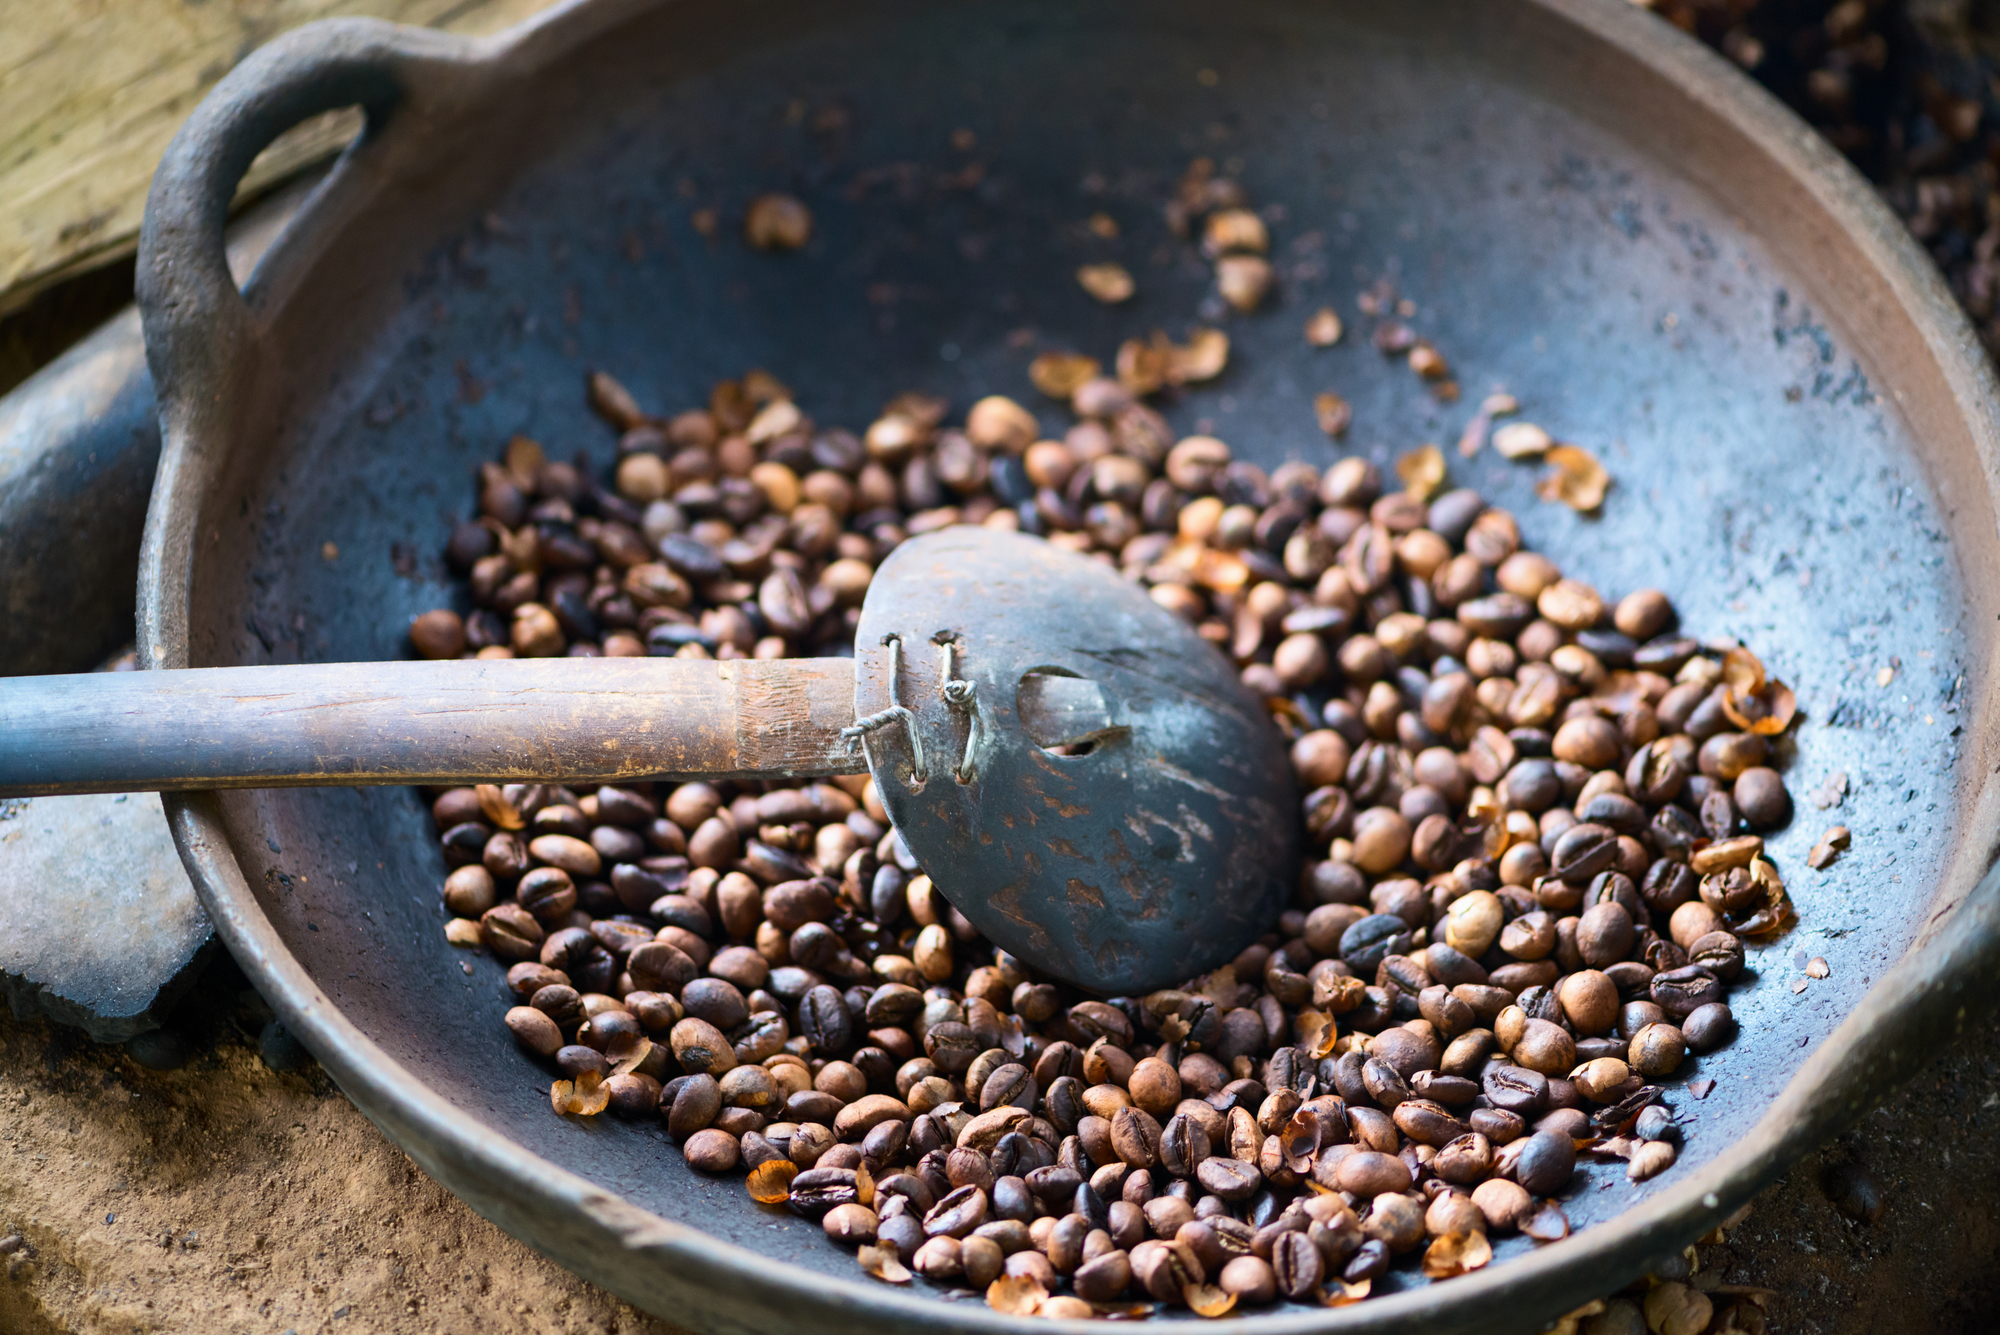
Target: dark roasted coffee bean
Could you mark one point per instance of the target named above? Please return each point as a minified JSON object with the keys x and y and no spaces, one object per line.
{"x":1719,"y":816}
{"x":1673,"y":832}
{"x":1364,"y":945}
{"x":1708,"y":1026}
{"x":1089,"y":1202}
{"x":1582,"y":852}
{"x":1008,"y":1085}
{"x":1371,"y":1261}
{"x":1497,"y":1124}
{"x":1063,"y":1103}
{"x":815,"y":1191}
{"x":824,"y":1020}
{"x":1289,"y":1068}
{"x":1721,"y":953}
{"x":1427,"y":1123}
{"x":955,"y":1216}
{"x":1516,"y":1089}
{"x":1545,"y":1163}
{"x":1532,"y":785}
{"x":1681,"y":992}
{"x":1183,"y":1145}
{"x":1656,"y":1123}
{"x":1383,"y":1083}
{"x":1012,"y":1199}
{"x":1296,"y":1264}
{"x":1614,"y":811}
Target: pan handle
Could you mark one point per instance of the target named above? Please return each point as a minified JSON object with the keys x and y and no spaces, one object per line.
{"x":201,"y":343}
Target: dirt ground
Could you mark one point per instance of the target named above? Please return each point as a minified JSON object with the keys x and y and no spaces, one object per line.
{"x":227,"y":1197}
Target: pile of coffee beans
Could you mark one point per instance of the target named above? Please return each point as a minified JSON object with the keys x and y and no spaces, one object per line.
{"x":1533,"y":814}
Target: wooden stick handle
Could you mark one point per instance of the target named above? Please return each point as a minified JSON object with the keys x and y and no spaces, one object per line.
{"x":584,"y":720}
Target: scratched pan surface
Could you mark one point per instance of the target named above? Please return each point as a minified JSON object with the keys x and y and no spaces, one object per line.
{"x":1657,"y":261}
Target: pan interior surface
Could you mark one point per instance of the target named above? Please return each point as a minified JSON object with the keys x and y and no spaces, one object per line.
{"x":1761,"y":477}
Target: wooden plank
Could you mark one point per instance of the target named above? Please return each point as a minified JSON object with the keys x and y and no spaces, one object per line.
{"x":92,"y":90}
{"x":587,"y":720}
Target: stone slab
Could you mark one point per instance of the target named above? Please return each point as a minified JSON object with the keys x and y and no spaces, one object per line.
{"x":99,"y":925}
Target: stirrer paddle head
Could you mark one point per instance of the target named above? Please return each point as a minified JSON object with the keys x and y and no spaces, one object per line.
{"x":1082,"y":775}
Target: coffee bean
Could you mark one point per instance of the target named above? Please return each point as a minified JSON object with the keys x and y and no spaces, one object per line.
{"x":1708,"y":1026}
{"x":1184,"y":1144}
{"x":712,"y":1151}
{"x":1364,"y":945}
{"x":1582,"y":852}
{"x":1296,"y":1265}
{"x":1604,"y":934}
{"x":1545,"y":1047}
{"x":1231,"y":1179}
{"x":824,"y":1020}
{"x":1760,"y":796}
{"x":1516,"y":1089}
{"x":957,"y":1214}
{"x":1427,"y":1123}
{"x":1681,"y":992}
{"x":1370,"y":1173}
{"x":510,"y":932}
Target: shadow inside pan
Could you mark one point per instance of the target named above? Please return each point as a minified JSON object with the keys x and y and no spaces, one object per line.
{"x":1759,"y":478}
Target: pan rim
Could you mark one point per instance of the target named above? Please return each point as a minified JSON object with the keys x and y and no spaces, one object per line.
{"x":429,"y":1128}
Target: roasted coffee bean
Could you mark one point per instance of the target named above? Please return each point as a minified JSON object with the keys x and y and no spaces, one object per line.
{"x":1368,"y":942}
{"x":1604,"y":934}
{"x":1135,"y":1137}
{"x":1708,"y":1026}
{"x":1296,"y":1265}
{"x":1656,"y":1123}
{"x":1582,"y":852}
{"x":1681,"y":992}
{"x":1498,"y":1125}
{"x":956,"y":1215}
{"x":1516,"y":1089}
{"x":1545,"y":1162}
{"x":1465,"y":1160}
{"x":1427,"y":1123}
{"x":1383,"y":1083}
{"x":824,"y":1020}
{"x":1184,"y":1144}
{"x":1721,"y":953}
{"x":1231,"y":1179}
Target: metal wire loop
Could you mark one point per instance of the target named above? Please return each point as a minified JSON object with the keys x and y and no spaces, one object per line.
{"x":962,"y":696}
{"x":861,"y":728}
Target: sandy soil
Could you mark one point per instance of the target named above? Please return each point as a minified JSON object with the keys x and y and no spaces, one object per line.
{"x":227,"y":1197}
